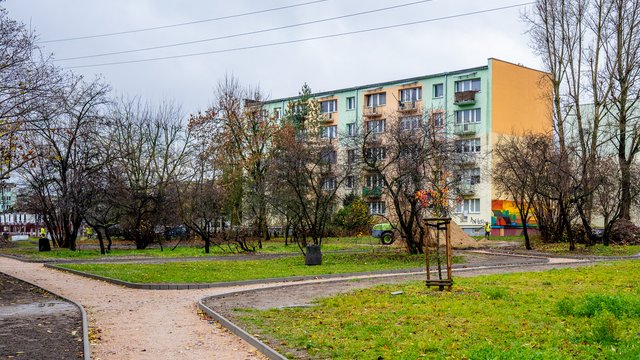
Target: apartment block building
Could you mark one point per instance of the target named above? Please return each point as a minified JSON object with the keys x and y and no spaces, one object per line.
{"x":475,"y":105}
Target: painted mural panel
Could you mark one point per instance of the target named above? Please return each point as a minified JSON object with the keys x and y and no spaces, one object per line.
{"x":505,"y":213}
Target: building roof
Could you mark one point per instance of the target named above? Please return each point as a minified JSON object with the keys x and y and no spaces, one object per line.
{"x":385,"y":83}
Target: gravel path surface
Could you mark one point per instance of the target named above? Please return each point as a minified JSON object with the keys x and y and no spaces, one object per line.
{"x":139,"y":324}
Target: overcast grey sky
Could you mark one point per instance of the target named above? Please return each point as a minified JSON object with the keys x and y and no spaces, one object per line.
{"x":325,"y":64}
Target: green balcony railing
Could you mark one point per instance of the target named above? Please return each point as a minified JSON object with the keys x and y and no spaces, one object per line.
{"x":375,"y":191}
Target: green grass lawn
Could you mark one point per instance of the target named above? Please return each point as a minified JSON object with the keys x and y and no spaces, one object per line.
{"x":598,"y":250}
{"x":221,"y":271}
{"x":29,"y":249}
{"x":584,"y":313}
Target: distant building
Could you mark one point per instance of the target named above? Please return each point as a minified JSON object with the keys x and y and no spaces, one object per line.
{"x":13,"y":221}
{"x":476,"y":106}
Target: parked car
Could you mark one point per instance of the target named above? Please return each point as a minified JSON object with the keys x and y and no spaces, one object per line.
{"x":384,"y":232}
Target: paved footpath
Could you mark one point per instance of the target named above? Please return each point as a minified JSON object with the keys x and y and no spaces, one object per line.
{"x":139,"y":324}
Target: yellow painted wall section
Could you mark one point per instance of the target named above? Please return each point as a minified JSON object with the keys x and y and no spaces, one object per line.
{"x":520,"y":99}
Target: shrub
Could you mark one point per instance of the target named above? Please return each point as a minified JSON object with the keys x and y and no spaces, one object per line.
{"x":354,"y":216}
{"x":592,"y":305}
{"x":624,"y":232}
{"x":605,"y":328}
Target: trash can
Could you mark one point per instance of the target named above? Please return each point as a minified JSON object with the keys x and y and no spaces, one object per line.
{"x":43,"y":244}
{"x":313,"y":255}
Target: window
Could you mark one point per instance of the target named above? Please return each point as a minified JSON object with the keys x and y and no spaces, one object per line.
{"x":374,"y":100}
{"x":377,"y":208}
{"x":471,"y":176}
{"x":351,"y":181}
{"x":375,"y":180}
{"x":351,"y":102}
{"x":409,"y":95}
{"x":438,"y":119}
{"x":351,"y":156}
{"x":352,"y":130}
{"x":328,"y":132}
{"x":410,"y":122}
{"x":468,"y":85}
{"x":329,"y":157}
{"x":468,"y":116}
{"x":468,"y":146}
{"x":468,"y":206}
{"x":376,"y":126}
{"x":376,"y":153}
{"x":438,"y":90}
{"x":329,"y":184}
{"x":328,"y":106}
{"x":277,"y":112}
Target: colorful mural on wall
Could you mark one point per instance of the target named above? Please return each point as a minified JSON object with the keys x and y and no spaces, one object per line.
{"x":505,"y":213}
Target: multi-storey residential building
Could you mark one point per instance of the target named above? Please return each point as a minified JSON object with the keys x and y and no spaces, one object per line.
{"x":475,"y":105}
{"x":11,"y":221}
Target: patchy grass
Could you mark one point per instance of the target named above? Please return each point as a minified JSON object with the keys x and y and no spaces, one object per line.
{"x":584,"y":313}
{"x":581,"y":249}
{"x":223,"y":271}
{"x":88,"y":249}
{"x":518,"y":239}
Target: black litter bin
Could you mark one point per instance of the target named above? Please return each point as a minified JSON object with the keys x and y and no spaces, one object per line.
{"x":313,"y":255}
{"x":43,"y":244}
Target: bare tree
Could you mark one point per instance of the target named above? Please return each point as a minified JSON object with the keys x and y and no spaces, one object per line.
{"x":66,"y":135}
{"x":304,"y":165}
{"x":403,"y":155}
{"x":27,"y":80}
{"x":517,"y":172}
{"x":200,"y":195}
{"x":242,"y":132}
{"x":623,"y":65}
{"x":151,"y":148}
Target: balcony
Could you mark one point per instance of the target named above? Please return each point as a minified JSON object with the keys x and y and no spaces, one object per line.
{"x":469,"y":159}
{"x":327,"y":117}
{"x":373,"y":138}
{"x":466,"y":189}
{"x":372,"y":192}
{"x":466,"y":129}
{"x":409,"y":106}
{"x":463,"y":98}
{"x":372,"y":112}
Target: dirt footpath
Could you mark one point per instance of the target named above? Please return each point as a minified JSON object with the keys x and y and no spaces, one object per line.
{"x":139,"y":324}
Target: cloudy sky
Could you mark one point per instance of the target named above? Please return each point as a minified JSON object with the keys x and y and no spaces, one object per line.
{"x":458,"y":40}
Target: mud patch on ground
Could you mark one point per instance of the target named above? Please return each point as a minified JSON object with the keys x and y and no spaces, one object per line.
{"x":35,"y":324}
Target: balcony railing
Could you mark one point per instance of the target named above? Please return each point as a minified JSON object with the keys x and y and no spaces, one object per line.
{"x":375,"y":191}
{"x":466,"y":188}
{"x":466,"y":128}
{"x":462,"y":98}
{"x":374,"y":111}
{"x":327,"y":117}
{"x":409,"y":106}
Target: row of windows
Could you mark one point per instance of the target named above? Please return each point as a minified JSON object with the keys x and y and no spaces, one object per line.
{"x":466,"y":206}
{"x":467,"y":146}
{"x":406,"y":95}
{"x":468,"y":116}
{"x":469,"y":176}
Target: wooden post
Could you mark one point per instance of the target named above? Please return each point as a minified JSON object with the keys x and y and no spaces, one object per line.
{"x":449,"y":256}
{"x":440,"y":224}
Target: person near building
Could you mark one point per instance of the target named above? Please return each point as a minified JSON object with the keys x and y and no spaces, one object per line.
{"x":43,"y":232}
{"x":487,"y":229}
